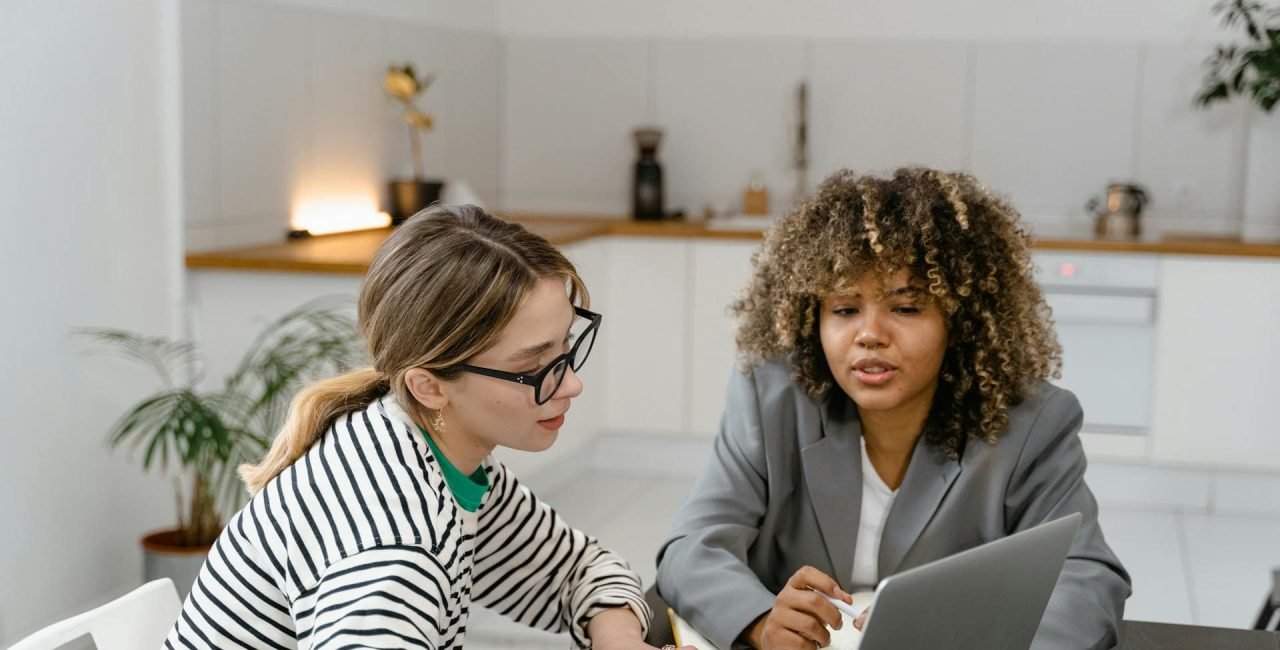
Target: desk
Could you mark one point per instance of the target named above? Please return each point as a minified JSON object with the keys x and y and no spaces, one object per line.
{"x":1134,"y":635}
{"x":1141,"y":635}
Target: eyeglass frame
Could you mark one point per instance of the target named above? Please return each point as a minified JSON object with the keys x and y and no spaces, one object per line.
{"x":535,"y":380}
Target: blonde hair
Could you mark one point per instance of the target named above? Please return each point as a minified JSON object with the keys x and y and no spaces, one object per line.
{"x":963,"y":242}
{"x":438,"y":292}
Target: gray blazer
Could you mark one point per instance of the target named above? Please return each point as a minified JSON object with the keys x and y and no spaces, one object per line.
{"x":783,"y":489}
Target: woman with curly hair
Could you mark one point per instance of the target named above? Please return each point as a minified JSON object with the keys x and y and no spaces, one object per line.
{"x":894,"y":410}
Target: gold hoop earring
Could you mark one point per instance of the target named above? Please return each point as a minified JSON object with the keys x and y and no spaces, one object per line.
{"x":437,"y":422}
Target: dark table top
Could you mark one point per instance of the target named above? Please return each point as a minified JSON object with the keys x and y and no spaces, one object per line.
{"x":1141,"y":635}
{"x":1134,"y":635}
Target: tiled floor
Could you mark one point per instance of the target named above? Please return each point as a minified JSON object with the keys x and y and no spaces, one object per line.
{"x":1186,"y":568}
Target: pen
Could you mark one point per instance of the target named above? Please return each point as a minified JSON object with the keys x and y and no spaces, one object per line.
{"x":840,"y":604}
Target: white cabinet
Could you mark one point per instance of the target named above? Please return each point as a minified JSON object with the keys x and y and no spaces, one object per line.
{"x":666,"y":347}
{"x":720,"y":270}
{"x":645,"y":334}
{"x":1218,"y":363}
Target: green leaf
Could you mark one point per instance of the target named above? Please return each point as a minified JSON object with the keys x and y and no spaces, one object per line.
{"x":161,"y":354}
{"x":1212,"y":93}
{"x":210,"y":434}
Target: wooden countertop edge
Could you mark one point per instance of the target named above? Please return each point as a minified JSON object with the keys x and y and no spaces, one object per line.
{"x":226,"y":263}
{"x":287,"y":256}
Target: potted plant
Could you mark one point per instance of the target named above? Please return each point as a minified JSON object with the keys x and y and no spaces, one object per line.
{"x":410,"y":196}
{"x":1250,"y":68}
{"x":201,"y":436}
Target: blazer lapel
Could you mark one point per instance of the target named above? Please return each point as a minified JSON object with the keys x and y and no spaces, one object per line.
{"x":929,"y":477}
{"x":833,"y":474}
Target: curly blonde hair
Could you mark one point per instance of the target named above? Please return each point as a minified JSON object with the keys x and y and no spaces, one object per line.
{"x":953,"y":235}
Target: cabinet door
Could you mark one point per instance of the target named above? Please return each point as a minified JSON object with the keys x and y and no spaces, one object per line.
{"x":720,"y":270}
{"x":645,"y":333}
{"x":1218,"y":363}
{"x":1107,"y":356}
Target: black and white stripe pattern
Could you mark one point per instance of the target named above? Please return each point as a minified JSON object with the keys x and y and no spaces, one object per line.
{"x":359,"y":544}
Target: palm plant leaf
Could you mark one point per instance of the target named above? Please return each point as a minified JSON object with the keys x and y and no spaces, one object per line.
{"x":174,"y":423}
{"x":1253,"y":71}
{"x":161,"y":354}
{"x":209,"y":435}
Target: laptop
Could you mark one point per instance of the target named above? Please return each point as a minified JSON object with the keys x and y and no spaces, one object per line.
{"x":991,"y":596}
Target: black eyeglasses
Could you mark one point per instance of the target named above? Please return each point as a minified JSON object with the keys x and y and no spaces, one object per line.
{"x":547,"y":381}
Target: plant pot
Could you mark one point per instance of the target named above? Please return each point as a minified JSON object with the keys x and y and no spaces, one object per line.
{"x":408,"y":197}
{"x":162,"y":558}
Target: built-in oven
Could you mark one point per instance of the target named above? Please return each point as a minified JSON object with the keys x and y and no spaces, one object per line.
{"x":1105,"y":309}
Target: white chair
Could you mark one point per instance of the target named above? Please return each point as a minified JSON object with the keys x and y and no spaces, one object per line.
{"x":138,"y":619}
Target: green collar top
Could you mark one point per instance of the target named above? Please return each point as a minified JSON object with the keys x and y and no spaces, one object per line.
{"x":468,"y":491}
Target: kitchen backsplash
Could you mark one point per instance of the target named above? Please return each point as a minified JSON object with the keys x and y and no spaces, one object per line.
{"x":284,"y":100}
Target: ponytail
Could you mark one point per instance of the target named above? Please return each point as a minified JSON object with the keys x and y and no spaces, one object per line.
{"x":312,"y":411}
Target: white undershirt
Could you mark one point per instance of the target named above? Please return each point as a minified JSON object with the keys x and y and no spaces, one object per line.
{"x":877,"y":498}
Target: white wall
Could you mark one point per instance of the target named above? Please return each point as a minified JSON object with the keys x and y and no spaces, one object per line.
{"x":934,"y":19}
{"x":85,"y":242}
{"x":284,"y":106}
{"x":1049,"y":123}
{"x":1045,"y":101}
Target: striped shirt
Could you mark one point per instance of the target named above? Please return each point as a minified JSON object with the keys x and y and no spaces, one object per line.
{"x":360,"y":544}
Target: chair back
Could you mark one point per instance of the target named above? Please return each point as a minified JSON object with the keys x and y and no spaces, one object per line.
{"x":138,"y":619}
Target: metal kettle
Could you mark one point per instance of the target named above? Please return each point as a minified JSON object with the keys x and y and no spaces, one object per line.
{"x":1118,"y":217}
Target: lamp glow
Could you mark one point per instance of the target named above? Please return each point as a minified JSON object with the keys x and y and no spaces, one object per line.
{"x":327,"y":216}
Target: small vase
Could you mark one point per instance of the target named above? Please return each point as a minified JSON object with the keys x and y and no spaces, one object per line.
{"x":408,"y":197}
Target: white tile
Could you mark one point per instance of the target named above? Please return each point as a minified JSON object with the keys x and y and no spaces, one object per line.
{"x":1053,"y":123}
{"x":199,"y":112}
{"x":263,"y":103}
{"x":646,"y":357}
{"x":879,"y":105}
{"x":1246,"y":493}
{"x":1153,"y":488}
{"x":347,"y":109}
{"x":1262,"y":191}
{"x":424,"y":49}
{"x":726,"y":107}
{"x":569,"y":106}
{"x":1189,"y":158}
{"x":470,"y":112}
{"x":1149,"y":546}
{"x":1231,"y":559}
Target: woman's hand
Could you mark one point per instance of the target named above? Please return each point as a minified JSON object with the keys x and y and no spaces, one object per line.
{"x":800,"y":616}
{"x":619,"y":629}
{"x":633,"y":644}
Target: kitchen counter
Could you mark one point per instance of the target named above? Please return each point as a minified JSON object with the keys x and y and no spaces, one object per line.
{"x":351,"y":253}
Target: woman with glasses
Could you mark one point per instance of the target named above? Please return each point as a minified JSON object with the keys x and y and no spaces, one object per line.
{"x":378,"y":515}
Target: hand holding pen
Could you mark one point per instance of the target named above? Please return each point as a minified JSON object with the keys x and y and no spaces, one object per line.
{"x":801,"y":613}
